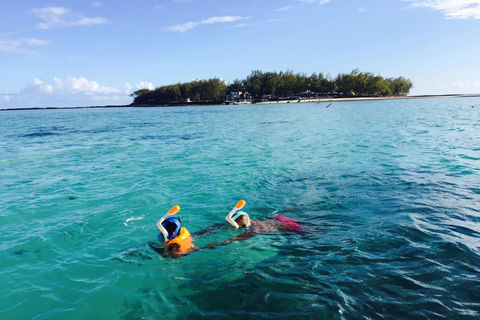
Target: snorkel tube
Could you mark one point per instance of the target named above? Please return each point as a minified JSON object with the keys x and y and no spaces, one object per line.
{"x":162,"y":229}
{"x":231,"y":217}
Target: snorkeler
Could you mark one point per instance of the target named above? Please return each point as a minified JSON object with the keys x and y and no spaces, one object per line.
{"x":241,"y":219}
{"x":177,"y":239}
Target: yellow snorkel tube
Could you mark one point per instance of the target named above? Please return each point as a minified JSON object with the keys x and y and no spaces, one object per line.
{"x":231,"y":218}
{"x":160,"y":227}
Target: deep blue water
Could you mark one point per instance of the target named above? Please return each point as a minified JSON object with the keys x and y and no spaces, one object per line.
{"x":389,"y":191}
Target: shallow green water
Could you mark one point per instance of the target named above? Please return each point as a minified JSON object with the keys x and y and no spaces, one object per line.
{"x":389,"y":190}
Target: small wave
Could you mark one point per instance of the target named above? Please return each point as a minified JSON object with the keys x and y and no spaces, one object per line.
{"x":276,"y":122}
{"x":34,"y":135}
{"x":465,"y":156}
{"x":168,"y":137}
{"x":133,"y":219}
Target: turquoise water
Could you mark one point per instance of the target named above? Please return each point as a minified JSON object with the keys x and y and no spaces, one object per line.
{"x":389,"y":191}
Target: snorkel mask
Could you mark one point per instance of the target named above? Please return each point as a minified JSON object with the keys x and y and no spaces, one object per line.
{"x":170,"y":223}
{"x":233,"y":215}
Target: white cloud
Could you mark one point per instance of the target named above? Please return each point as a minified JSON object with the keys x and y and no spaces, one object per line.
{"x":59,"y":17}
{"x":81,"y":86}
{"x":453,"y":9}
{"x":144,"y":85}
{"x":69,"y":92}
{"x":18,"y":45}
{"x":128,"y":88}
{"x":184,"y":27}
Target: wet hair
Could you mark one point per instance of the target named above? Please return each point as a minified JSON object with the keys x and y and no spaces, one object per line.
{"x":242,"y":221}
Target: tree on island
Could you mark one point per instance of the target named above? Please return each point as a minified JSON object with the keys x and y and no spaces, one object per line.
{"x":281,"y":85}
{"x":212,"y":90}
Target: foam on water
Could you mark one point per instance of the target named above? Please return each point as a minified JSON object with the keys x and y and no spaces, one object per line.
{"x":389,"y":191}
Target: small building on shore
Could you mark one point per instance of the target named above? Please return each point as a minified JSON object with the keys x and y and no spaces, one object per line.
{"x":239,"y":96}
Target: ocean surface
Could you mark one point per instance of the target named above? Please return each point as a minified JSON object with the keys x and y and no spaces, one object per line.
{"x":388,"y":191}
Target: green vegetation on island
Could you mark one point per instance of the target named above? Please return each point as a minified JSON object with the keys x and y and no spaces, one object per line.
{"x":265,"y":86}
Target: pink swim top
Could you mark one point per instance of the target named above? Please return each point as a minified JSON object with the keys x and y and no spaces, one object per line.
{"x":290,"y":224}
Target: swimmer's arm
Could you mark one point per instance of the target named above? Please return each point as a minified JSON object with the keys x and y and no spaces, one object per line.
{"x":206,"y":230}
{"x":160,"y":249}
{"x":245,"y":236}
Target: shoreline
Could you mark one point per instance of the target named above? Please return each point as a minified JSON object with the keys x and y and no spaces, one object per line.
{"x":319,"y":100}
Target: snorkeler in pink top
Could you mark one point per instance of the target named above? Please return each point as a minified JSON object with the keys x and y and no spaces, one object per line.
{"x":241,"y":219}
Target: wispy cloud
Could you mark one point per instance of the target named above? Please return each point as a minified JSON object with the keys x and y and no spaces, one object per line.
{"x":184,"y":27}
{"x":59,"y":17}
{"x":313,"y":1}
{"x":465,"y":84}
{"x":461,"y":87}
{"x":453,"y":9}
{"x":285,"y":8}
{"x":19,"y":45}
{"x":288,"y":8}
{"x":245,"y":25}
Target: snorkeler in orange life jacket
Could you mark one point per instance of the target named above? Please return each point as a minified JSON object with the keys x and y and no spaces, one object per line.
{"x":177,"y":239}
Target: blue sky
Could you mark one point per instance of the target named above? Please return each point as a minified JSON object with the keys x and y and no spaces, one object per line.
{"x":82,"y":53}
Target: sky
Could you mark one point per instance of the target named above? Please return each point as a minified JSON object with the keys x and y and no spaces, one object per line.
{"x":92,"y":53}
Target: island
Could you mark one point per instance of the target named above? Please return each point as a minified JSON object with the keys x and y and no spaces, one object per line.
{"x":268,"y":87}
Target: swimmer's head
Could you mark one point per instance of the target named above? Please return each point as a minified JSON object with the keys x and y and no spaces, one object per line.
{"x":233,"y":215}
{"x":241,"y":220}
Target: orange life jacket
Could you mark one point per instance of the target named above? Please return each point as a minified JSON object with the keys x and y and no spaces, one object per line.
{"x":183,"y":240}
